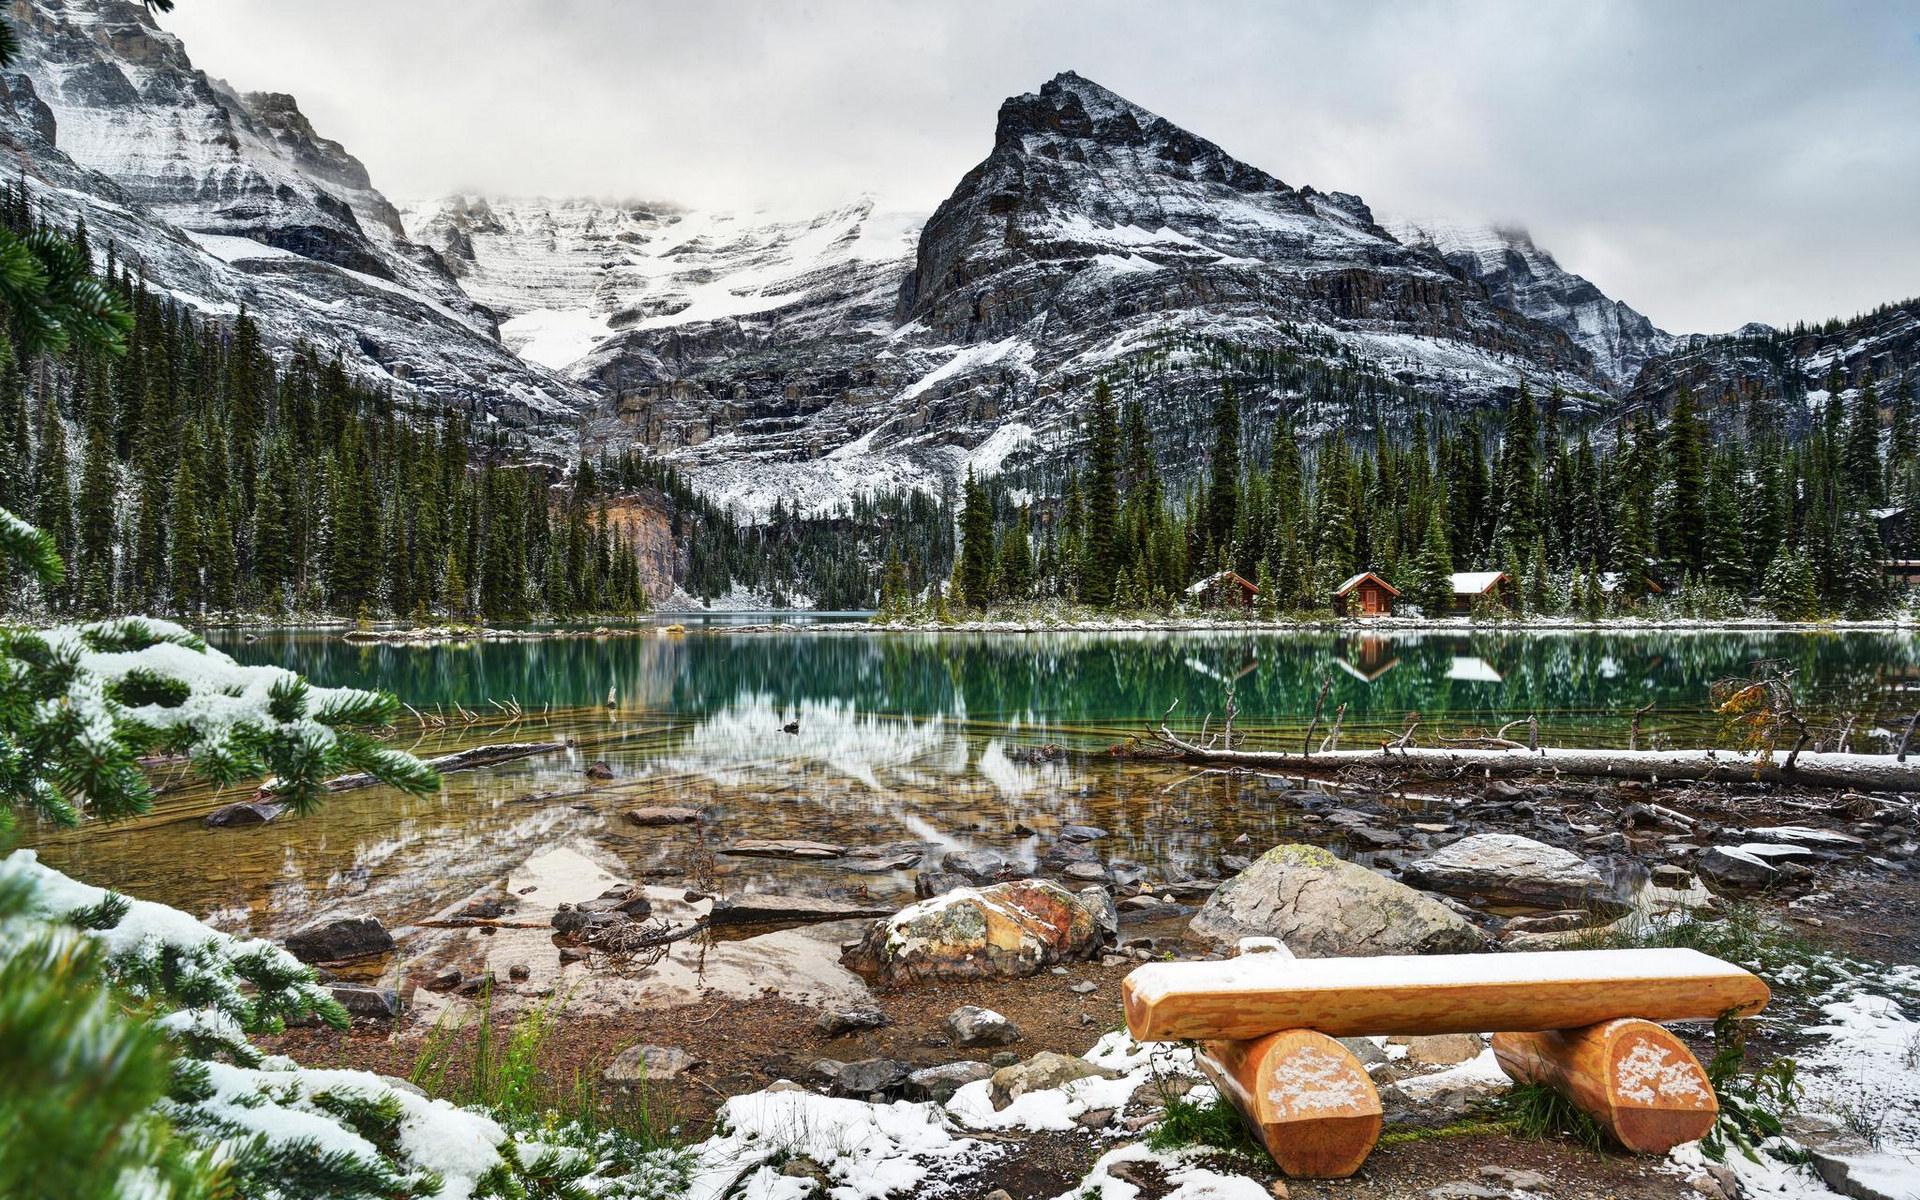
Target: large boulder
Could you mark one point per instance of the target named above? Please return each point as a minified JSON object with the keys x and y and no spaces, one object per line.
{"x":1735,"y":868}
{"x":1043,"y":1072}
{"x":339,"y":939}
{"x":1323,"y":907}
{"x":1010,"y":930}
{"x":1506,"y":868}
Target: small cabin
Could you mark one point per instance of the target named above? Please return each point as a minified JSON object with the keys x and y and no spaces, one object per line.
{"x":1472,"y":587}
{"x":1365,"y":595}
{"x":1610,"y":582}
{"x":1223,"y":589}
{"x":1902,"y":570}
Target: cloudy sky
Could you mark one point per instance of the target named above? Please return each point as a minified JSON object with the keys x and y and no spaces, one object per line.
{"x":1709,"y":164}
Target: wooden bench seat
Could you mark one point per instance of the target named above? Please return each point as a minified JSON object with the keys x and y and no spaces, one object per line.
{"x":1581,"y":1021}
{"x":1257,"y":994}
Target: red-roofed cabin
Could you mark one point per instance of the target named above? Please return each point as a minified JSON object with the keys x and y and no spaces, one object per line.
{"x":1365,"y":595}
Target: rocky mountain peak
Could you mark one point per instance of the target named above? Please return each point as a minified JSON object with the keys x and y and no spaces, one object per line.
{"x":1070,"y":109}
{"x":1520,"y":275}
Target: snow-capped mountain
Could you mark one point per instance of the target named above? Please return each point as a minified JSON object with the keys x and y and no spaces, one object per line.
{"x":807,"y":361}
{"x":1526,"y":279}
{"x":234,"y":201}
{"x":564,"y":275}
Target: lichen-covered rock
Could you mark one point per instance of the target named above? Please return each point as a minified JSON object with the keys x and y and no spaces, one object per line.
{"x":1043,"y":1072}
{"x":1322,"y":907}
{"x":1507,"y":868}
{"x":1010,"y":929}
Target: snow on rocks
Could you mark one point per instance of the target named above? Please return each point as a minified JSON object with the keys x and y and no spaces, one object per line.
{"x":1111,"y":1178}
{"x":1009,"y":929}
{"x":1507,"y":868}
{"x":1322,"y":906}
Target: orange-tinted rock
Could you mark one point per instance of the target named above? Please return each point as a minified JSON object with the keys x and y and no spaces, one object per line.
{"x":1010,"y":929}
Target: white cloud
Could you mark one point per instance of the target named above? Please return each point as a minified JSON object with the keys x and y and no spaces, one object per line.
{"x":1709,"y":164}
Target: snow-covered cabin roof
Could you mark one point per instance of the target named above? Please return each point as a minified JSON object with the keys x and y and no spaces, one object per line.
{"x":1475,"y":583}
{"x":1353,"y":583}
{"x":1610,"y":583}
{"x":1219,"y":577}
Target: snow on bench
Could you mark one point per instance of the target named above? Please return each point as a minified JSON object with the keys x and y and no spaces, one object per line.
{"x":1581,"y":1021}
{"x":1257,"y":994}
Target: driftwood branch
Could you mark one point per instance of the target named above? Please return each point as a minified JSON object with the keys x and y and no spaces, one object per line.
{"x":465,"y":760}
{"x":1868,"y":771}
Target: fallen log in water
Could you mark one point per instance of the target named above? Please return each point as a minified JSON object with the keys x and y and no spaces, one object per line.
{"x":464,"y":760}
{"x":1872,"y":772}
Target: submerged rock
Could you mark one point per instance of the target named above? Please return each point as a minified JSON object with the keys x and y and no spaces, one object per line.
{"x":784,"y":848}
{"x":1507,"y":868}
{"x":977,"y":866}
{"x":339,"y":939}
{"x":1322,"y":906}
{"x":244,"y":812}
{"x":663,"y":815}
{"x":754,"y":908}
{"x":1010,"y":929}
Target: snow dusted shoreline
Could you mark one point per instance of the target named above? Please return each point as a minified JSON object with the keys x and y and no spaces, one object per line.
{"x":1076,"y":623}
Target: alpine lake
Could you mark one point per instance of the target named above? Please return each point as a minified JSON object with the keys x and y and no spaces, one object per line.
{"x":920,"y":744}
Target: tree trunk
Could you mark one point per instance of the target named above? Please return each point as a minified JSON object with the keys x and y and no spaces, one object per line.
{"x":1303,"y":1095}
{"x":1635,"y":1078}
{"x":1871,"y":772}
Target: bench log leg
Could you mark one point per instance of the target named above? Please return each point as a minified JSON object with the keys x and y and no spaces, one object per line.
{"x":1632,"y":1076}
{"x":1304,"y":1096}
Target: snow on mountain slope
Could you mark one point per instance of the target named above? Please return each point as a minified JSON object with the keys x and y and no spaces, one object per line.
{"x":1523,"y":277}
{"x":1773,"y":380}
{"x":1095,"y":238}
{"x":566,"y":274}
{"x":234,"y":201}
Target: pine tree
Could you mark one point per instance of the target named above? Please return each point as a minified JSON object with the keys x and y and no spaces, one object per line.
{"x":1015,"y":566}
{"x":54,"y":514}
{"x":1102,"y":558}
{"x":1862,"y":451}
{"x":1223,"y":490}
{"x":186,"y":534}
{"x":1788,"y":587}
{"x":1683,"y":525}
{"x":973,"y":575}
{"x":1432,"y":583}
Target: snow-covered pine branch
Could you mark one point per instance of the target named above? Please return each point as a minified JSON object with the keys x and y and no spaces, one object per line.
{"x":80,"y":704}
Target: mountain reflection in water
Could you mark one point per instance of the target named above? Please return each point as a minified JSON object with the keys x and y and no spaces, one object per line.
{"x":899,"y":738}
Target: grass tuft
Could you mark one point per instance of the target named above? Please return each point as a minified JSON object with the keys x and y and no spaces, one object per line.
{"x":1215,"y":1124}
{"x":1539,"y":1113}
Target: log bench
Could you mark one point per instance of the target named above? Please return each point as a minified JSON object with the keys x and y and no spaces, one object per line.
{"x":1580,"y":1021}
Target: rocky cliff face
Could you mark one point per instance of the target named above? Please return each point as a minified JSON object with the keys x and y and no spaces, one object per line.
{"x":1779,"y":377}
{"x":1521,"y":276}
{"x":235,"y":201}
{"x":807,"y":360}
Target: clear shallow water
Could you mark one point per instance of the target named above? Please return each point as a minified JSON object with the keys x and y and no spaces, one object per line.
{"x":902,"y":738}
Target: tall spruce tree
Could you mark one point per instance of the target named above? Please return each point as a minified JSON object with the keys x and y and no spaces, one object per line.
{"x":1102,"y":557}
